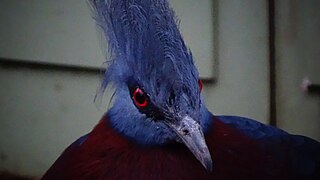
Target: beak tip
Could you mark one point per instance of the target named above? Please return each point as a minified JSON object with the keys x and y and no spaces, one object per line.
{"x":209,"y":166}
{"x":191,"y":135}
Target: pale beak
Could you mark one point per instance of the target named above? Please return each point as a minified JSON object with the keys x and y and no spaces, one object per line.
{"x":192,"y":136}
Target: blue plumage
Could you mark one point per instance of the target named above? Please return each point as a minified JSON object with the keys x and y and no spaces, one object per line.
{"x":159,"y":127}
{"x":145,"y":42}
{"x":303,"y":152}
{"x":252,"y":128}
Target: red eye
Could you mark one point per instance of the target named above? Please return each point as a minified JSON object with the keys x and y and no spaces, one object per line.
{"x":200,"y":84}
{"x":140,"y":98}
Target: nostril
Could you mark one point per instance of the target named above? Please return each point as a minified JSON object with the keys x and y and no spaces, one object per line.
{"x":185,"y":131}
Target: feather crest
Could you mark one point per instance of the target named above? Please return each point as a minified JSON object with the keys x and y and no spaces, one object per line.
{"x":145,"y":43}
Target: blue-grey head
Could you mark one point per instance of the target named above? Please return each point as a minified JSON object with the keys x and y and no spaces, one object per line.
{"x":157,"y":87}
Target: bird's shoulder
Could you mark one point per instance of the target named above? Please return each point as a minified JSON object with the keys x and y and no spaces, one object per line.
{"x":294,"y":154}
{"x":250,"y":127}
{"x":236,"y":155}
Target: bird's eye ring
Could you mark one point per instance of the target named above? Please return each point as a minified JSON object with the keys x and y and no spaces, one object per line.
{"x":140,"y":98}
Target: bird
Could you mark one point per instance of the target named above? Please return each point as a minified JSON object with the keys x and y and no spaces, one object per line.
{"x":158,"y":126}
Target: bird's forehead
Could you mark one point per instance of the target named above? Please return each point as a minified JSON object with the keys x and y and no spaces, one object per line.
{"x":174,"y":89}
{"x":165,"y":79}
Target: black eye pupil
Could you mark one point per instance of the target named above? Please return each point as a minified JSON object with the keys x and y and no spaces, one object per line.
{"x":139,"y":98}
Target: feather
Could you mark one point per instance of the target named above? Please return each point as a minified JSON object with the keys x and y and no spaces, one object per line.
{"x":145,"y":41}
{"x":105,"y":154}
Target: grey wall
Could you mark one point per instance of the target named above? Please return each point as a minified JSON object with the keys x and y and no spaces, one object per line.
{"x":242,"y":86}
{"x":42,"y":112}
{"x":298,"y":56}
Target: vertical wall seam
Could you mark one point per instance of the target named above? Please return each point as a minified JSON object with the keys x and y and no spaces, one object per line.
{"x":272,"y":64}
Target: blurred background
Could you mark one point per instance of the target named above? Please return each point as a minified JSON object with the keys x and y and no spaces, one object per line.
{"x":257,"y":58}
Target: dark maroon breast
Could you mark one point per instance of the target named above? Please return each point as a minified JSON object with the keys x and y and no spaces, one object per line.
{"x":107,"y":155}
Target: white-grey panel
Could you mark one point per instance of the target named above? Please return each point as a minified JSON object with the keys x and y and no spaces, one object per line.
{"x":42,"y":112}
{"x":59,"y":32}
{"x":63,"y":32}
{"x":297,"y":57}
{"x":197,"y":27}
{"x":242,"y":86}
